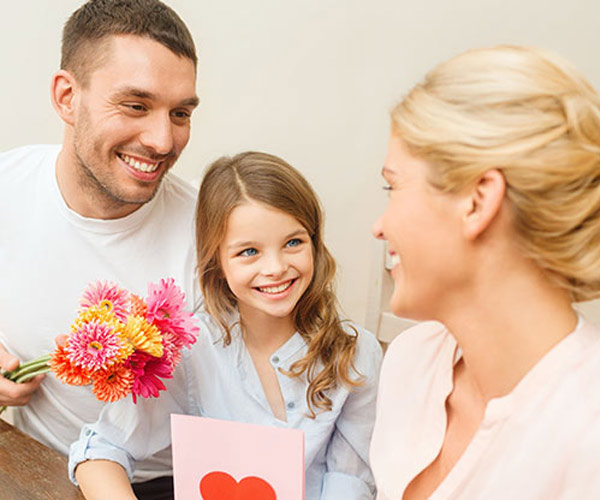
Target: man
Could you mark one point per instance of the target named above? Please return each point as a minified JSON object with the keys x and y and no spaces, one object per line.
{"x":102,"y":206}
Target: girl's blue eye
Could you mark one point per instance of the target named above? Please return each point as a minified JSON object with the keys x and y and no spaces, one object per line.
{"x":294,"y":242}
{"x":249,"y":252}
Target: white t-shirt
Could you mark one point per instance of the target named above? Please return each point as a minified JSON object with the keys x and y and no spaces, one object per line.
{"x":49,"y":253}
{"x":540,"y":441}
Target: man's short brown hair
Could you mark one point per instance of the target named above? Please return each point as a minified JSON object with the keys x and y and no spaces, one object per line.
{"x":90,"y":26}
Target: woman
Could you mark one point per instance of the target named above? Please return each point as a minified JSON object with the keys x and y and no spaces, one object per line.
{"x":493,"y":222}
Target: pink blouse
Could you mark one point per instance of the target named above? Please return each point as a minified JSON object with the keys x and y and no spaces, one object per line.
{"x":541,"y":441}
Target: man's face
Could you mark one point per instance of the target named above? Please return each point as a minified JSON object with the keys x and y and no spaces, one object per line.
{"x":132,"y":121}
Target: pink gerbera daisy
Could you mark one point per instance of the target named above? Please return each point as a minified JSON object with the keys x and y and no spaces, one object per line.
{"x":165,"y":302}
{"x":147,"y":370}
{"x":185,"y":329}
{"x":166,"y":310}
{"x":94,"y":346}
{"x":107,"y":295}
{"x":172,"y":349}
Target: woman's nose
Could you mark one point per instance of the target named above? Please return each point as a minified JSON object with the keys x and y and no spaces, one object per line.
{"x":377,"y":229}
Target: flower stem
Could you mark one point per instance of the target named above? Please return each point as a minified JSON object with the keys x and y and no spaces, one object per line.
{"x":27,"y":371}
{"x":25,"y":377}
{"x":28,"y":368}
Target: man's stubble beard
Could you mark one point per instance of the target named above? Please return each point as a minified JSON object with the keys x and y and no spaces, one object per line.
{"x":105,"y":193}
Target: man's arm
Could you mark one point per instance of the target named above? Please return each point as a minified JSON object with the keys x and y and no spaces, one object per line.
{"x":12,"y":394}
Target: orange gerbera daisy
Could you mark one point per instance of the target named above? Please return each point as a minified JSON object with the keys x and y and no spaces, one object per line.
{"x":65,"y":371}
{"x":138,"y":305}
{"x":113,"y":383}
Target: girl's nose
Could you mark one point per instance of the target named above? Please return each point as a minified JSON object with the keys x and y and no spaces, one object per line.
{"x":274,"y":264}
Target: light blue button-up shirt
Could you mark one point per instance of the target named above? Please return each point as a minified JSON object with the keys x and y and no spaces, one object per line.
{"x":220,"y":381}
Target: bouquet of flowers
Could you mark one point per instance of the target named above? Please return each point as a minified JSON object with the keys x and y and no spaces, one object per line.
{"x":119,"y":342}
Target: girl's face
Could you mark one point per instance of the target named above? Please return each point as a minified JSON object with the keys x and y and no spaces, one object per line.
{"x":421,"y":228}
{"x":267,"y":259}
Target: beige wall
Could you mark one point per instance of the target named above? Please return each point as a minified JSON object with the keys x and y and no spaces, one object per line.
{"x":311,"y":81}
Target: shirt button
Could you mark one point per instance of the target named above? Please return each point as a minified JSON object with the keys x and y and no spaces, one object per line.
{"x":88,"y":432}
{"x":290,"y":405}
{"x":275,"y":359}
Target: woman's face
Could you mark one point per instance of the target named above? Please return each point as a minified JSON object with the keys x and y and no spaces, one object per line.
{"x":421,"y":226}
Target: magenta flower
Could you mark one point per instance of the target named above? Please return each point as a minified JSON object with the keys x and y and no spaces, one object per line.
{"x":106,"y":295}
{"x":146,"y":370}
{"x":165,"y":302}
{"x":166,"y":310}
{"x":94,"y":346}
{"x":185,"y":330}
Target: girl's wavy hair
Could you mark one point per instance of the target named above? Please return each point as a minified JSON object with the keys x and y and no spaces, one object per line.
{"x":254,"y":176}
{"x":531,"y":116}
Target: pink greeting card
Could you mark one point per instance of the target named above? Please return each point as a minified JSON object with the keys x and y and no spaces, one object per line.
{"x":222,"y":460}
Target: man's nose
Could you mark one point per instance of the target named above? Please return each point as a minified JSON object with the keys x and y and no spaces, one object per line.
{"x":158,"y":134}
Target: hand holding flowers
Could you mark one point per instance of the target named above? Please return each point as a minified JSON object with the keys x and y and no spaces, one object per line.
{"x":119,"y":342}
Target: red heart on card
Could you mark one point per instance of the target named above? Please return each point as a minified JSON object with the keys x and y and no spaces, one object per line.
{"x":219,"y":485}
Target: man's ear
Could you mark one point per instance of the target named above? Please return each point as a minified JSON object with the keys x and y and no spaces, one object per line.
{"x":483,"y":202}
{"x":63,"y":90}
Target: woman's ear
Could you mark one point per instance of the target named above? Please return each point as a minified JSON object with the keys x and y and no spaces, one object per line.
{"x":62,"y":92}
{"x":483,"y":203}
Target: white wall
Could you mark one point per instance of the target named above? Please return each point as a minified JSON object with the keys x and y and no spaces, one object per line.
{"x":311,"y":81}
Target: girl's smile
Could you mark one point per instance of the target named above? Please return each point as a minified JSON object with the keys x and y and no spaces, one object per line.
{"x":276,"y":290}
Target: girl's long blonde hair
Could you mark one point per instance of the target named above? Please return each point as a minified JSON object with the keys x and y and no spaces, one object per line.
{"x":232,"y":181}
{"x":530,"y":115}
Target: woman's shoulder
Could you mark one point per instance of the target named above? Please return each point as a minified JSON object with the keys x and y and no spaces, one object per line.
{"x":428,"y":335}
{"x":417,"y":349}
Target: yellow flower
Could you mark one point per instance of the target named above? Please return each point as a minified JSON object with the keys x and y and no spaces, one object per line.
{"x":143,"y":336}
{"x":101,"y":314}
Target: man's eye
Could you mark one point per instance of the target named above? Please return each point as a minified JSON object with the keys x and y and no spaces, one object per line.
{"x":138,"y":108}
{"x":181,"y":116}
{"x":249,"y":252}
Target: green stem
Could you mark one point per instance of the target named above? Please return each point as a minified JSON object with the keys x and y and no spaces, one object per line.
{"x":27,"y":368}
{"x":27,"y":371}
{"x":29,"y":375}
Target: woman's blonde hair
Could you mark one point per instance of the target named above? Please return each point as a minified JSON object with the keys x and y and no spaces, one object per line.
{"x":530,"y":115}
{"x":233,"y":181}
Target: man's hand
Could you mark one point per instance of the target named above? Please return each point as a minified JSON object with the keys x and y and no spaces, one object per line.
{"x":12,"y":394}
{"x":61,"y":340}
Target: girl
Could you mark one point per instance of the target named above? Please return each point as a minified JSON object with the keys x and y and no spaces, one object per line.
{"x":272,"y":348}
